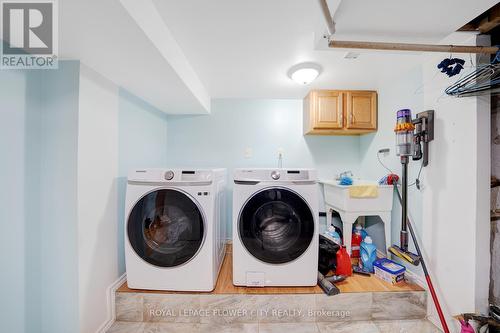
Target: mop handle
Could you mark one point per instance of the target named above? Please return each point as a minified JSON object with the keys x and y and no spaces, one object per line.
{"x":426,"y":272}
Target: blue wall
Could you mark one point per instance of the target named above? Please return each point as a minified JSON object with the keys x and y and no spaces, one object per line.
{"x":12,"y":237}
{"x":142,"y":143}
{"x":58,"y":198}
{"x":39,"y":142}
{"x":220,"y":140}
{"x":39,"y":119}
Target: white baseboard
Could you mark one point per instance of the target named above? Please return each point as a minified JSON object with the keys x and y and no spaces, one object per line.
{"x":416,"y":279}
{"x":110,"y":296}
{"x":381,"y":254}
{"x":435,"y":321}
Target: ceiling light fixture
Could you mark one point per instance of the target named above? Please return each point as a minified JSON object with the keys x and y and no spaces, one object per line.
{"x":304,"y":73}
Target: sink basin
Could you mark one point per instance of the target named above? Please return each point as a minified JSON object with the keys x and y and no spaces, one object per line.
{"x":338,"y":197}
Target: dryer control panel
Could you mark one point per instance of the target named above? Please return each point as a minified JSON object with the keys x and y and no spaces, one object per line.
{"x":202,"y":176}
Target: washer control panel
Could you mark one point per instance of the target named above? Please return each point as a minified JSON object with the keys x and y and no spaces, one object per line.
{"x":278,"y":175}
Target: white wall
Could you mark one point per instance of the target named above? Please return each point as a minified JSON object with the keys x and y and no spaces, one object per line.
{"x":456,"y":195}
{"x":97,"y":196}
{"x":451,"y":212}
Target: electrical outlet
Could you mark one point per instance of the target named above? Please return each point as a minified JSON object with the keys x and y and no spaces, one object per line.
{"x":248,"y":153}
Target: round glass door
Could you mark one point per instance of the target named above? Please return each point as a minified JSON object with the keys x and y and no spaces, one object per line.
{"x":276,"y":225}
{"x":165,"y":228}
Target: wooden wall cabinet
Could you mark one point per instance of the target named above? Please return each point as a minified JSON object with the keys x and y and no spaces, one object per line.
{"x":340,"y":112}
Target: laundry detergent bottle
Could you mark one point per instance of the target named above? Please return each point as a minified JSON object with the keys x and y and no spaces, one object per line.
{"x":344,"y":266}
{"x":356,"y":241}
{"x":368,"y":252}
{"x":333,"y":235}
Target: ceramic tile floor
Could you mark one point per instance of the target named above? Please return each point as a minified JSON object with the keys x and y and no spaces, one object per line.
{"x":393,"y":326}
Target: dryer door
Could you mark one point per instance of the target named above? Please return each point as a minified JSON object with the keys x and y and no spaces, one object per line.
{"x":166,"y":228}
{"x":276,"y":225}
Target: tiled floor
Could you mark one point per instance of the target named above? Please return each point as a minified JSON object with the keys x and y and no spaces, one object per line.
{"x":394,"y":326}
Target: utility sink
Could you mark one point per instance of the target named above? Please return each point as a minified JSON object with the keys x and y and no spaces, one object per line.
{"x":338,"y":197}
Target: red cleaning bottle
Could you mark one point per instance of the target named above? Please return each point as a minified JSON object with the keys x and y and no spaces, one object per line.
{"x":344,"y":266}
{"x":356,"y":241}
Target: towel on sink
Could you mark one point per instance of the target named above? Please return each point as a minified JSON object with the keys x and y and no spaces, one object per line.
{"x":363,"y":191}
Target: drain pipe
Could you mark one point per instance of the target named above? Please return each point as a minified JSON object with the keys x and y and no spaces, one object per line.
{"x":330,"y":25}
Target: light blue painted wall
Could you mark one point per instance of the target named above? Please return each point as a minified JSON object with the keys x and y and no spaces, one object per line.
{"x":12,"y":213}
{"x":142,"y":143}
{"x":58,"y":199}
{"x":404,"y":92}
{"x":220,"y":140}
{"x":37,"y":138}
{"x":33,"y":158}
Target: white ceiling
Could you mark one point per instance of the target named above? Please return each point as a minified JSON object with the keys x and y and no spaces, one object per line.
{"x":405,"y":20}
{"x":177,"y":55}
{"x":243,"y":49}
{"x":106,"y":38}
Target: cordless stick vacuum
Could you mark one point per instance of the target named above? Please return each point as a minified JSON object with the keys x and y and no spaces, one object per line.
{"x":411,"y":134}
{"x":405,"y":148}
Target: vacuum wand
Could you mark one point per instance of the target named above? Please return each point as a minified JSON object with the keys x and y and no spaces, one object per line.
{"x":404,"y":204}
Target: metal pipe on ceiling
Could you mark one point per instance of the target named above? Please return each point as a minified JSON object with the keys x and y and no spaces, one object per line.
{"x":330,"y":24}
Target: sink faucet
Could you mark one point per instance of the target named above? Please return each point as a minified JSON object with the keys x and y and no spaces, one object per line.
{"x":344,"y":174}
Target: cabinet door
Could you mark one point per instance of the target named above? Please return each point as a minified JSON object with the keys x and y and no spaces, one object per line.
{"x":328,"y":110}
{"x":361,"y":110}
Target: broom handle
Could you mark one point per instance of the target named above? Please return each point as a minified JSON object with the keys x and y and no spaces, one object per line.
{"x":426,"y":272}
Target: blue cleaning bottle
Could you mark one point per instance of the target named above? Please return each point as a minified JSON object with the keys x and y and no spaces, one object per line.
{"x":368,"y":253}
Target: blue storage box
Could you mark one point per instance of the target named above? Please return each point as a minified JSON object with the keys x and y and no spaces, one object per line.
{"x":389,"y":270}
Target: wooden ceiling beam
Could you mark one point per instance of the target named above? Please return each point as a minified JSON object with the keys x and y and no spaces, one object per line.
{"x":412,"y":47}
{"x":491,"y":21}
{"x":485,"y":22}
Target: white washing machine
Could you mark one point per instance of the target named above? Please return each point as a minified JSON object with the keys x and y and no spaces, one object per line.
{"x":275,"y":227}
{"x":175,"y":228}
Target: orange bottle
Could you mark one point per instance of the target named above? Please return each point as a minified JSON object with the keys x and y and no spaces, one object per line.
{"x":344,"y":266}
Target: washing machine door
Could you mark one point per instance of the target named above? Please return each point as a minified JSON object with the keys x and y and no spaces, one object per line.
{"x":276,"y":225}
{"x":166,"y":228}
